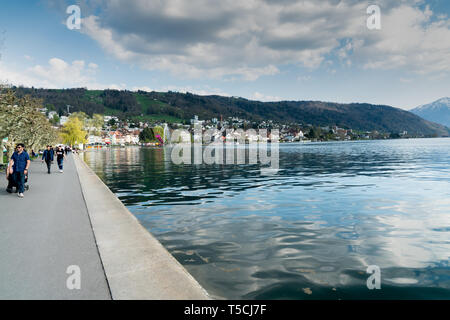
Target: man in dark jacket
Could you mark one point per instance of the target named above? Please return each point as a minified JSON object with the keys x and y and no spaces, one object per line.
{"x":47,"y":156}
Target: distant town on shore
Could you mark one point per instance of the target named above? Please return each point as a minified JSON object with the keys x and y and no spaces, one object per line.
{"x":112,"y":117}
{"x":115,"y":131}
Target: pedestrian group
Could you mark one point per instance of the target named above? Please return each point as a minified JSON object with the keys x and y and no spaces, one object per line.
{"x":19,"y":164}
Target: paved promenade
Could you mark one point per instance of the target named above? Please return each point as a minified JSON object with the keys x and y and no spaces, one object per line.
{"x":136,"y":265}
{"x":44,"y":233}
{"x":73,"y":219}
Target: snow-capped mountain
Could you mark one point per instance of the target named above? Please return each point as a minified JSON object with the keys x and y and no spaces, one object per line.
{"x":438,"y":111}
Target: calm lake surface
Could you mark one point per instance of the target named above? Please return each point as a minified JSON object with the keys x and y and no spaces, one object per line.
{"x":308,"y":232}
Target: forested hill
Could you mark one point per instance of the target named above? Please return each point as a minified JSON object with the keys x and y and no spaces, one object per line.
{"x":177,"y":107}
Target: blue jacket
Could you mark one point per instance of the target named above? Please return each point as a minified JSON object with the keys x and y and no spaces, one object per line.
{"x":48,"y":154}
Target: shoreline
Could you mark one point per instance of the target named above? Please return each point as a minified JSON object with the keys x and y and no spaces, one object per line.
{"x":268,"y":142}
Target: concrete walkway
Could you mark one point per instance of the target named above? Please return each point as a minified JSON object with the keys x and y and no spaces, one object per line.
{"x":43,"y":234}
{"x":137,"y":266}
{"x":73,"y":219}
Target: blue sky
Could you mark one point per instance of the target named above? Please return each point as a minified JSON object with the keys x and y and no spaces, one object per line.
{"x":262,"y":50}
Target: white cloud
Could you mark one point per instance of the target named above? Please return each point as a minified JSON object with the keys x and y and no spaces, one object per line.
{"x":8,"y":76}
{"x":56,"y":74}
{"x":228,"y":40}
{"x":93,"y":66}
{"x":246,"y":40}
{"x":142,"y":88}
{"x":61,"y":74}
{"x":121,"y":86}
{"x":232,"y":41}
{"x":265,"y":98}
{"x":409,"y":40}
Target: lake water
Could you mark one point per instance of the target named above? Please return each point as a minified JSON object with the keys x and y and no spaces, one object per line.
{"x":308,"y":232}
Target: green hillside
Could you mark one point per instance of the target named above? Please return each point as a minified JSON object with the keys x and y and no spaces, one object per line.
{"x":179,"y":107}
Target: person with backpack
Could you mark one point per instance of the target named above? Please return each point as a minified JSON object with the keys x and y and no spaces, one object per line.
{"x":47,"y":156}
{"x":60,"y":158}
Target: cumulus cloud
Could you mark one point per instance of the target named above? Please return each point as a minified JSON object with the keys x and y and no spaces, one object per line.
{"x":227,"y":39}
{"x":410,"y":39}
{"x":56,"y":74}
{"x":62,"y":74}
{"x":218,"y":39}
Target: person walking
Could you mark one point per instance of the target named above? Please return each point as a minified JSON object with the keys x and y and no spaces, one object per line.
{"x":10,"y":178}
{"x":47,"y":156}
{"x":60,"y":158}
{"x":20,"y":162}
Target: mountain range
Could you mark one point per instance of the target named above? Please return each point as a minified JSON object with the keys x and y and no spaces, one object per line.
{"x":438,"y":111}
{"x":180,"y":107}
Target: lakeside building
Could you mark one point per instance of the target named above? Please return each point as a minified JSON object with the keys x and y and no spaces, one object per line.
{"x":195,"y":121}
{"x":51,"y":114}
{"x":106,"y":119}
{"x":120,"y":137}
{"x":63,"y":120}
{"x":94,"y":139}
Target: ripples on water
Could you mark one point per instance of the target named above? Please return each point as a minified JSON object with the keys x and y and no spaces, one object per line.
{"x":308,"y":232}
